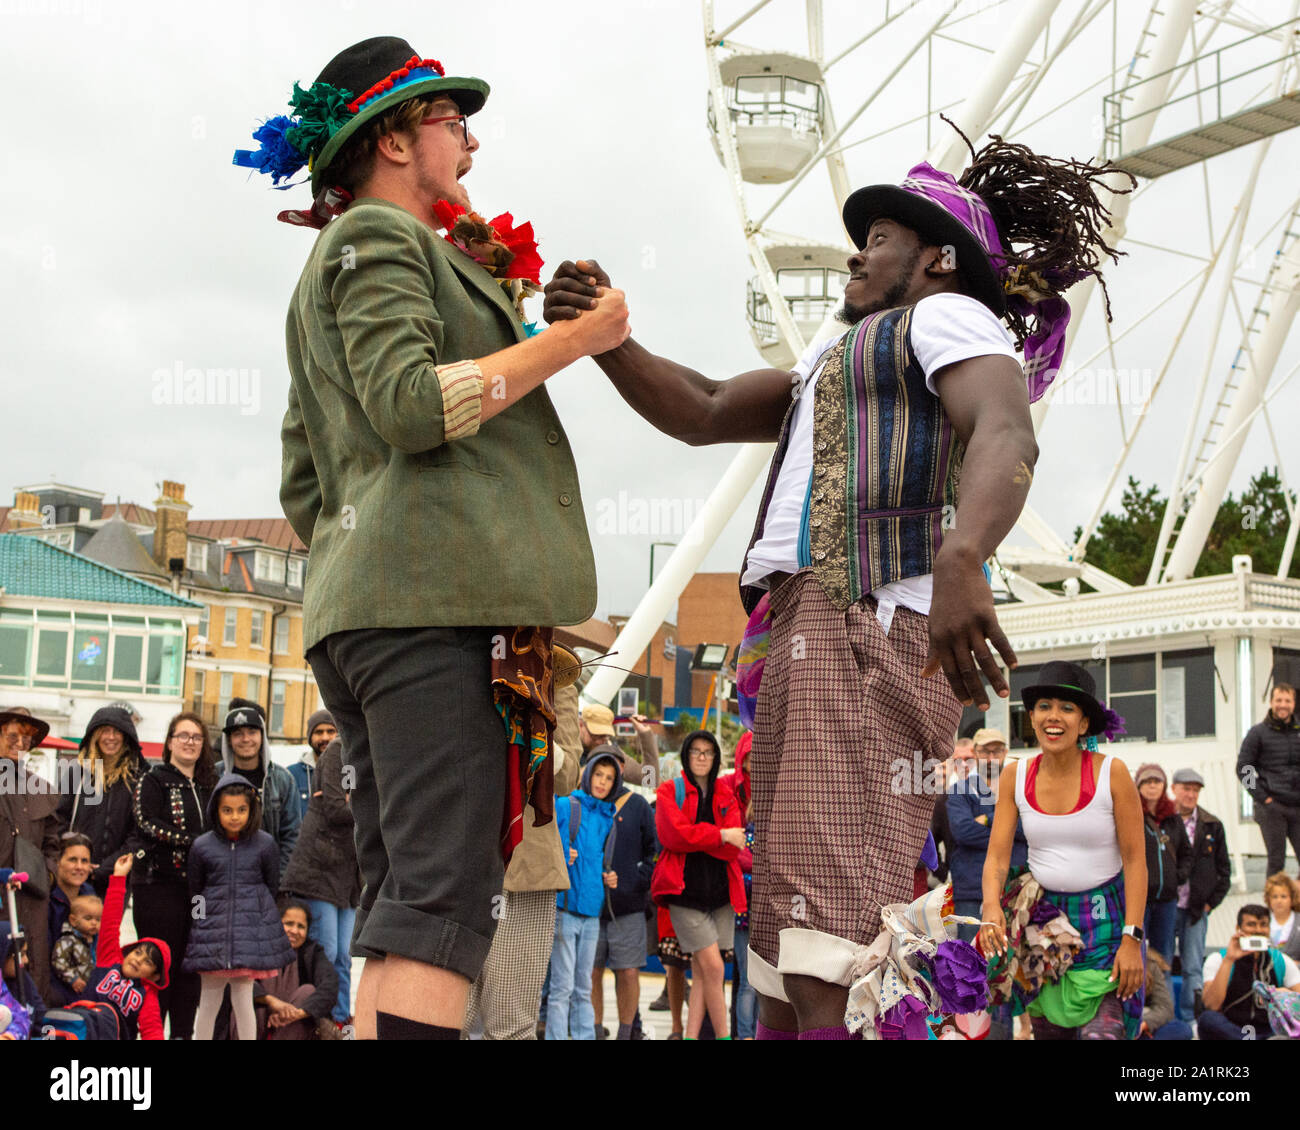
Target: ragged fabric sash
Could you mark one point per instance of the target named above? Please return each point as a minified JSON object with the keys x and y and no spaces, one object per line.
{"x":523,"y":691}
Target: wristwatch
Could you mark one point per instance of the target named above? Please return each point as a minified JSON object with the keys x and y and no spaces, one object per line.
{"x":1134,"y":932}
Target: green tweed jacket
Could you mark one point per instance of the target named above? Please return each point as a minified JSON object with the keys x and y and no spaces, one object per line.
{"x":414,"y":519}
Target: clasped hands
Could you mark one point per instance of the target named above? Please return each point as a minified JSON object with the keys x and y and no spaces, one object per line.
{"x":282,"y":1012}
{"x":582,"y":293}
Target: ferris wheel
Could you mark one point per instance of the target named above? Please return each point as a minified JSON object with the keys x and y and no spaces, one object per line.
{"x":798,"y":92}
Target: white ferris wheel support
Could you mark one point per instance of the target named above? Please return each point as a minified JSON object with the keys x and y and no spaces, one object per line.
{"x":1230,"y":239}
{"x":1175,"y":22}
{"x":749,"y":462}
{"x":1282,"y":290}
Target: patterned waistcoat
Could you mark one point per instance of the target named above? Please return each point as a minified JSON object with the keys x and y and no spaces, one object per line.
{"x":886,"y":464}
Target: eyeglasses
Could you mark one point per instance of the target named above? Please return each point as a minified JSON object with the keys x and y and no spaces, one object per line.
{"x":188,"y":739}
{"x":464,"y":123}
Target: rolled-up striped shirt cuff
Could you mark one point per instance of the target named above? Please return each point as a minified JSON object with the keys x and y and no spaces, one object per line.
{"x":462,"y":399}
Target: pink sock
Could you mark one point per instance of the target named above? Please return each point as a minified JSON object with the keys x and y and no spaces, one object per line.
{"x":839,"y":1032}
{"x":763,"y":1032}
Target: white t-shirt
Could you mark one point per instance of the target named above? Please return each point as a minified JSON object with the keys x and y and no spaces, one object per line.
{"x":1279,"y":933}
{"x":946,"y":328}
{"x":1290,"y":971}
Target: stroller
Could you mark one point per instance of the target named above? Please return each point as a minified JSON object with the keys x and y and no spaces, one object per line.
{"x":16,"y":1006}
{"x":27,"y":1018}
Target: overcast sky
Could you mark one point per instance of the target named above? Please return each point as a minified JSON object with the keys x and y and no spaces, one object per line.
{"x":130,"y":244}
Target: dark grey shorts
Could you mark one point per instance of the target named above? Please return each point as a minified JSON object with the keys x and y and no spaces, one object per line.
{"x":427,"y":752}
{"x":622,"y":942}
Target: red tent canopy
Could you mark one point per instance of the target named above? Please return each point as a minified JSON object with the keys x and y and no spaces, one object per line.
{"x":52,"y":742}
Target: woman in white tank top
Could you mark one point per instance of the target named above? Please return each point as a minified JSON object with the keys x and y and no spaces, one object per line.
{"x":1082,"y":816}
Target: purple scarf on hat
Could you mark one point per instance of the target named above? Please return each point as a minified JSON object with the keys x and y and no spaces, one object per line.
{"x":1045,"y":345}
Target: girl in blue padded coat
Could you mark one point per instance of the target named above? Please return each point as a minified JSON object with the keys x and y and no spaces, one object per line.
{"x":234,"y":872}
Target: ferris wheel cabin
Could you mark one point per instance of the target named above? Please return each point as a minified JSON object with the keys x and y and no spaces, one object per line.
{"x":775,"y":106}
{"x":811,"y":278}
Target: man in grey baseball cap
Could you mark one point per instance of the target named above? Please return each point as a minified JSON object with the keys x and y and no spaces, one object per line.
{"x":1206,"y":885}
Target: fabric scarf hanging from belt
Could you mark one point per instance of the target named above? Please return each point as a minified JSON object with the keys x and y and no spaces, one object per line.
{"x":752,"y":659}
{"x":523,"y":692}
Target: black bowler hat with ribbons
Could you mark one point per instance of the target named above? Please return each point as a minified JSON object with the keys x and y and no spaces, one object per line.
{"x":1069,"y":681}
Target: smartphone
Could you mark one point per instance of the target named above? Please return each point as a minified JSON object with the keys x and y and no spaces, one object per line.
{"x":1253,"y":943}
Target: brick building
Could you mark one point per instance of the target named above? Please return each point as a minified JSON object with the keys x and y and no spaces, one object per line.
{"x":709,"y":611}
{"x":247,"y":573}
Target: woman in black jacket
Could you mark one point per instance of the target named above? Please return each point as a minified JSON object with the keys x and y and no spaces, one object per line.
{"x":323,"y":872}
{"x":101,"y":803}
{"x":170,"y":804}
{"x":1169,"y":858}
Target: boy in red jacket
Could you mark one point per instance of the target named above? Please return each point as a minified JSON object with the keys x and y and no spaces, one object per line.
{"x":129,"y":982}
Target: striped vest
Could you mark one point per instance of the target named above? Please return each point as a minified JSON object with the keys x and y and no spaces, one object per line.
{"x":886,"y":464}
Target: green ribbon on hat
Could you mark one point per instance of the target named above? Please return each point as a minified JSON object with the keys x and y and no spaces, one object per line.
{"x":322,"y":111}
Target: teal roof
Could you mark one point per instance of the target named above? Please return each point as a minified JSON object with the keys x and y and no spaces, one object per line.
{"x":32,"y":567}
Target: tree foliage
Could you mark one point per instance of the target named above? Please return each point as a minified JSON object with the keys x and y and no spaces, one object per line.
{"x":1256,"y":523}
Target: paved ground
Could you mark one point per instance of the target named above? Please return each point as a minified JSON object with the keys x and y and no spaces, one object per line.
{"x":657,"y":1025}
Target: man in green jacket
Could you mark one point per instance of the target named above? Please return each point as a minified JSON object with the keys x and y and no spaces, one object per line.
{"x":426,"y":468}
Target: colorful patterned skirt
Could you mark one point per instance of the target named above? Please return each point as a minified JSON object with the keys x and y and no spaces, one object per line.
{"x":1071,"y":998}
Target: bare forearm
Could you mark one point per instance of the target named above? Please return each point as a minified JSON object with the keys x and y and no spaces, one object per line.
{"x":678,"y":401}
{"x":511,"y":374}
{"x":1135,"y":887}
{"x":996,"y":866}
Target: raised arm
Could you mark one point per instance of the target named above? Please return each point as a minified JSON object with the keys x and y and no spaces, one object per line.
{"x":108,"y":949}
{"x":986,"y":400}
{"x":678,"y":401}
{"x":414,"y":396}
{"x":648,"y":745}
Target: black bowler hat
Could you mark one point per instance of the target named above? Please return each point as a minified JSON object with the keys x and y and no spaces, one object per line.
{"x":935,"y":203}
{"x":1071,"y":682}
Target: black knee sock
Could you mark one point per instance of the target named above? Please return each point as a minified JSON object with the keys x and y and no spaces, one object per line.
{"x":390,"y":1027}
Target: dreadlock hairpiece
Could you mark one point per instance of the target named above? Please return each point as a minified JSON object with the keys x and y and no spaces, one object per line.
{"x":1048,"y":214}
